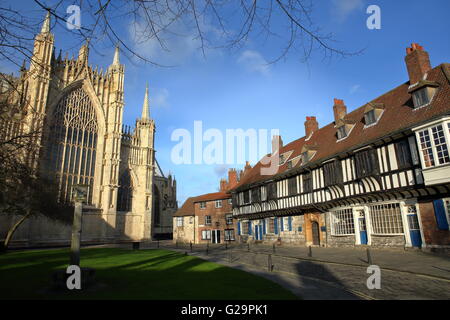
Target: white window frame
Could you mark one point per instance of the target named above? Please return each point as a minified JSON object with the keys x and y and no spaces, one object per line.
{"x":229,"y":216}
{"x":180,"y":221}
{"x":333,"y":217}
{"x":206,"y":234}
{"x":371,"y":216}
{"x":447,"y":210}
{"x":203,"y":205}
{"x":446,"y":129}
{"x":218,"y":204}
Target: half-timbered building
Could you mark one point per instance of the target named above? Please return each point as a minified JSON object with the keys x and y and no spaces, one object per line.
{"x":379,"y":175}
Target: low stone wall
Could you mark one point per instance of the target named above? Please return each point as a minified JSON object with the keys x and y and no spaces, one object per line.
{"x":341,"y":241}
{"x":388,"y":241}
{"x":96,"y":228}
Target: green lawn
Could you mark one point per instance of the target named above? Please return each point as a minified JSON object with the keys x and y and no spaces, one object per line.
{"x":126,"y":274}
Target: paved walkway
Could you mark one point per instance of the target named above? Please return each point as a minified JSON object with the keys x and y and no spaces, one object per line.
{"x":336,"y":273}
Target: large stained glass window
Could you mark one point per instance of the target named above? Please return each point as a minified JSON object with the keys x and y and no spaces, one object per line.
{"x":73,"y":142}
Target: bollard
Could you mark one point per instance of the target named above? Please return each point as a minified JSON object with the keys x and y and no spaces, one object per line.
{"x":310,"y":252}
{"x":273,"y":248}
{"x":269,"y":263}
{"x":226,"y":246}
{"x":176,"y":244}
{"x":369,"y":257}
{"x":207,"y":247}
{"x":190,"y":244}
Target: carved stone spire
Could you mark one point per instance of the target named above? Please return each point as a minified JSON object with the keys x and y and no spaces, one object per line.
{"x":116,"y":60}
{"x":46,"y":24}
{"x":145,"y":107}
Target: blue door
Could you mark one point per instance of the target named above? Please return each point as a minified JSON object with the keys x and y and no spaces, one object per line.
{"x":414,"y":230}
{"x":362,"y":230}
{"x":260,"y":231}
{"x":256,"y":233}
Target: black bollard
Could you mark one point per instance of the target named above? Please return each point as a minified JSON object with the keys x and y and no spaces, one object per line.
{"x":207,"y":247}
{"x":226,"y":246}
{"x":310,"y":252}
{"x":369,"y":257}
{"x":269,"y":263}
{"x":176,"y":244}
{"x":190,"y":244}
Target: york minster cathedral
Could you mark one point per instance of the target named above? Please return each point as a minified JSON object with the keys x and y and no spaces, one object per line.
{"x":84,"y":141}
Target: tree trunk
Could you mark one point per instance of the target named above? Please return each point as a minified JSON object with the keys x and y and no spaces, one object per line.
{"x":13,"y":229}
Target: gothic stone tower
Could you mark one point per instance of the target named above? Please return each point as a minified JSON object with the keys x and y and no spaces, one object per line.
{"x":80,"y":111}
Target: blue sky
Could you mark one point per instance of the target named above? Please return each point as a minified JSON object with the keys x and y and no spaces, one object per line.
{"x":232,"y":89}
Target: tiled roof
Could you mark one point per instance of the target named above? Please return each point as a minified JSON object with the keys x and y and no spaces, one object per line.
{"x":187,"y":209}
{"x":398,"y":115}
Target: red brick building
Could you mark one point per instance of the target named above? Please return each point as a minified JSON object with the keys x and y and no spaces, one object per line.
{"x":208,"y":218}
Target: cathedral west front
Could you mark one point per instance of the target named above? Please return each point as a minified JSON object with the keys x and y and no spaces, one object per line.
{"x":78,"y":112}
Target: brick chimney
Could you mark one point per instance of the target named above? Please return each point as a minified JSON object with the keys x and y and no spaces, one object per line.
{"x":339,"y":109}
{"x":223,"y":185}
{"x":276,"y":138}
{"x":311,"y":125}
{"x":232,"y":178}
{"x":417,"y":62}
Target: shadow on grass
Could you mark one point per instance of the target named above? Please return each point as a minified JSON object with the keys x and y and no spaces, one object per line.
{"x":126,"y":274}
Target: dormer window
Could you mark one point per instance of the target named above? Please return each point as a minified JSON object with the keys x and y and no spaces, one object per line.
{"x":422,"y":93}
{"x":369,"y":117}
{"x":289,"y":164}
{"x":341,"y":132}
{"x":344,"y":127}
{"x":372,"y":113}
{"x":282,"y":159}
{"x":308,"y":152}
{"x":420,"y":97}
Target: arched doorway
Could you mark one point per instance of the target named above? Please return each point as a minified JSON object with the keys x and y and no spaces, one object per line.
{"x":315,"y":233}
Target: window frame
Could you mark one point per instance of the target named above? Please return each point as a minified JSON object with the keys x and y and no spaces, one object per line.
{"x":417,"y":99}
{"x":218,"y":204}
{"x":404,"y":160}
{"x":202,"y":205}
{"x":180,"y":222}
{"x":208,"y":217}
{"x":434,"y":153}
{"x":349,"y":224}
{"x":227,"y":233}
{"x":207,"y":233}
{"x":227,"y":217}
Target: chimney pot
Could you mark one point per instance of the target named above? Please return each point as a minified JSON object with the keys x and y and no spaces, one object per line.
{"x":339,"y":109}
{"x":311,"y":125}
{"x":417,"y":62}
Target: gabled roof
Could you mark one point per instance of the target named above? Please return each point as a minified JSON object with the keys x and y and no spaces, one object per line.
{"x":398,"y":115}
{"x":188,"y":207}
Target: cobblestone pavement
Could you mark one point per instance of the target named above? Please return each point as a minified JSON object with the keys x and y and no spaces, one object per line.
{"x":334,"y":273}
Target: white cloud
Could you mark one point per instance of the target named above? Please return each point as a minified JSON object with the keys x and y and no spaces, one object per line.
{"x":343,"y":8}
{"x":354,"y":88}
{"x":254,"y":62}
{"x":178,"y":42}
{"x":159,"y":97}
